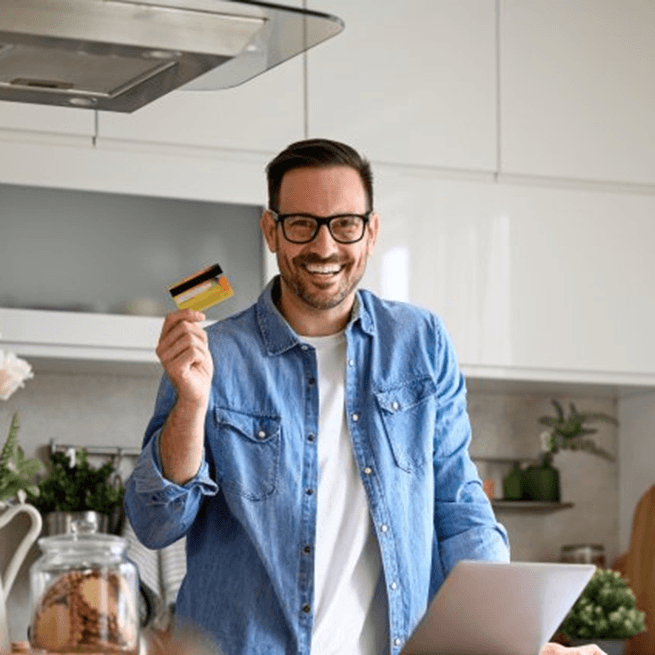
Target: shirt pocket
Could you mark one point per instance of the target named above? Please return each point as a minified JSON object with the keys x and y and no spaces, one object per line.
{"x":408,"y":413}
{"x":246,"y":450}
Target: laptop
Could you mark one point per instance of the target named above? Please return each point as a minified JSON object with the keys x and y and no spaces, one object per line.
{"x":497,"y":608}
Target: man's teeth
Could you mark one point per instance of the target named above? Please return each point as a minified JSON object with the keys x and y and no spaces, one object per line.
{"x":324,"y":269}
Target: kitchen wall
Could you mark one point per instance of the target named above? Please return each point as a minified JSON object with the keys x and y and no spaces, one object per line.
{"x":113,"y":410}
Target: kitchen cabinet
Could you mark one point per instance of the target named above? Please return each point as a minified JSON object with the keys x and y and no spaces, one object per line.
{"x":263,"y":114}
{"x":44,"y":120}
{"x":530,"y":280}
{"x":411,"y":83}
{"x":577,"y":89}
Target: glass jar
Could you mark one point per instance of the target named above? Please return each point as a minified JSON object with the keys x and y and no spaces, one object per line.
{"x":84,"y":594}
{"x":583,"y":554}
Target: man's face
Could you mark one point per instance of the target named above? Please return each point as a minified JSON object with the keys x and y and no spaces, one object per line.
{"x":323,"y":274}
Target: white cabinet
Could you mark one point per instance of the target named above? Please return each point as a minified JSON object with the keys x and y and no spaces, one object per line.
{"x":577,"y":82}
{"x":408,"y":83}
{"x":531,"y":281}
{"x":43,"y":119}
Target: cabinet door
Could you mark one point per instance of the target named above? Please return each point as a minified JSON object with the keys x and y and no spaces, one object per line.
{"x":577,"y":83}
{"x":526,"y":278}
{"x":408,"y":83}
{"x":23,"y":117}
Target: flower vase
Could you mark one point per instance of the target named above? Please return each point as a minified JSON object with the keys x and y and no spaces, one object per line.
{"x":541,"y":483}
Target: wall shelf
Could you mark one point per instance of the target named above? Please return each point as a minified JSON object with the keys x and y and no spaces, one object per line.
{"x":529,"y":505}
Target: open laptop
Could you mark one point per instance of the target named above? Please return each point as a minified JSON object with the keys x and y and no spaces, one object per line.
{"x":496,"y":608}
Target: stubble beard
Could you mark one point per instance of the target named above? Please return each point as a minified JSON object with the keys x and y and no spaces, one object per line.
{"x":312,"y":298}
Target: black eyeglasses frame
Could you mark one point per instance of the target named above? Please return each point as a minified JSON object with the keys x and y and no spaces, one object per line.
{"x":321,"y":220}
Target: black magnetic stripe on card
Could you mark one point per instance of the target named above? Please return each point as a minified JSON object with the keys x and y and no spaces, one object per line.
{"x":209,"y":274}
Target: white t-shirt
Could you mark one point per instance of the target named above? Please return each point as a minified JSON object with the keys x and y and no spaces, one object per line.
{"x":350,"y":603}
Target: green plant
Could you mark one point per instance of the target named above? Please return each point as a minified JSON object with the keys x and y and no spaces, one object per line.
{"x":606,"y":609}
{"x":78,"y":487}
{"x":17,"y":472}
{"x":570,"y":432}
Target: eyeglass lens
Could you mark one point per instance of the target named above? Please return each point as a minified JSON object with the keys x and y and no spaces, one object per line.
{"x":302,"y":229}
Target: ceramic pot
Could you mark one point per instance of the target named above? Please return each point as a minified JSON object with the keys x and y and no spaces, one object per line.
{"x":610,"y":646}
{"x":541,"y":483}
{"x":7,"y":579}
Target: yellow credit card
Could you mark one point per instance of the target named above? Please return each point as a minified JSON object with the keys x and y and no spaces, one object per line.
{"x":202,"y":290}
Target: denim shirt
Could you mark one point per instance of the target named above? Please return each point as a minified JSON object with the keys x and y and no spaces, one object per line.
{"x":249,"y":514}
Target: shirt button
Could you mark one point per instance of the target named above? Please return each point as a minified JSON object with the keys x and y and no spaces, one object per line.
{"x":355,"y":417}
{"x":393,"y":586}
{"x":307,"y":550}
{"x":311,"y":382}
{"x":306,"y":609}
{"x":384,"y":527}
{"x":311,"y":437}
{"x":396,"y":642}
{"x":395,"y":405}
{"x":309,"y":491}
{"x":261,"y":434}
{"x":304,"y":346}
{"x":368,"y":470}
{"x":351,"y":362}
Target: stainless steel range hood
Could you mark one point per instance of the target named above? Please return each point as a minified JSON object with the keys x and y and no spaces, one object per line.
{"x":119,"y":55}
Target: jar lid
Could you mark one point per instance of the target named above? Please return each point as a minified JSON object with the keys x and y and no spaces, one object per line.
{"x":83,"y":536}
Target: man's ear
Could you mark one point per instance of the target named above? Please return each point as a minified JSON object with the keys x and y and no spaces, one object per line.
{"x":269,"y":230}
{"x":373,"y":228}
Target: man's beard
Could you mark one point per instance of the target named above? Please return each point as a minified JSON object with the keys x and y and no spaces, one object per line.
{"x":314,"y":297}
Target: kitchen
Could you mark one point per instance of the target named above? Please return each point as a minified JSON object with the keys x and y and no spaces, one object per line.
{"x":514,"y":176}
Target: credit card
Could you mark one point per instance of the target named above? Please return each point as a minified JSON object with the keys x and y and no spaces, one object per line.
{"x":202,"y":290}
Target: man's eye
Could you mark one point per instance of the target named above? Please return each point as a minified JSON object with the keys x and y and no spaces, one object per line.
{"x":300,"y":223}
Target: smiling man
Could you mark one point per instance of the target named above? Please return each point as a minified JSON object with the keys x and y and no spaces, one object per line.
{"x":314,"y":447}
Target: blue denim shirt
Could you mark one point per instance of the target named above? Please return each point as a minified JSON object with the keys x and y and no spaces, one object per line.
{"x":249,"y":514}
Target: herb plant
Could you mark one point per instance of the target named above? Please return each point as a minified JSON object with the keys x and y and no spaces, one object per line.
{"x":570,"y":432}
{"x":606,"y":609}
{"x":78,"y":488}
{"x":17,"y":472}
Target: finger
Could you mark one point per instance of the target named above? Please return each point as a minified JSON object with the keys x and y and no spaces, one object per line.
{"x":172,"y":347}
{"x":175,"y":318}
{"x":182,"y":330}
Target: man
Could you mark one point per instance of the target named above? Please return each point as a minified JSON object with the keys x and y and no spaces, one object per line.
{"x":313,"y":448}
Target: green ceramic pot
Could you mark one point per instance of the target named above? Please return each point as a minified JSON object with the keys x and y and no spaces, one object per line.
{"x":541,"y":483}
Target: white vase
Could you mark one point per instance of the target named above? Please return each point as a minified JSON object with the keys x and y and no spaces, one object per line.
{"x":7,"y":579}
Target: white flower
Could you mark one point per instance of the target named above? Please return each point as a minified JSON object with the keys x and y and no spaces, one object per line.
{"x":545,"y":441}
{"x":13,"y":373}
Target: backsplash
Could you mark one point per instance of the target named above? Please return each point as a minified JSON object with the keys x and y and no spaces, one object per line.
{"x":95,"y":410}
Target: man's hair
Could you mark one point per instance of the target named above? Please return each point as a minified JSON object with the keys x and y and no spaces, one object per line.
{"x":316,"y":153}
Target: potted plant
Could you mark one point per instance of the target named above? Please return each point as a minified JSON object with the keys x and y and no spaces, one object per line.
{"x":566,"y":432}
{"x":605,"y":614}
{"x":73,"y":487}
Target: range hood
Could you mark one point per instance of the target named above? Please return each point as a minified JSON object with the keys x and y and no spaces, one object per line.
{"x":119,"y":55}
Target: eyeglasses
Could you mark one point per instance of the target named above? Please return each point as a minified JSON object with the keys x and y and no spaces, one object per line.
{"x":303,"y":228}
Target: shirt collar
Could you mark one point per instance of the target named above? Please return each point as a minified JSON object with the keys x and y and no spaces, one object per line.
{"x":279,"y":336}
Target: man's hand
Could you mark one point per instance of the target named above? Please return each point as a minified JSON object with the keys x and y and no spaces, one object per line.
{"x":556,"y":649}
{"x":185,"y":356}
{"x":183,"y":352}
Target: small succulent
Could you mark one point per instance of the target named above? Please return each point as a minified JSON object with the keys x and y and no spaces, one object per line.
{"x":570,"y":432}
{"x":17,"y":472}
{"x":606,"y":609}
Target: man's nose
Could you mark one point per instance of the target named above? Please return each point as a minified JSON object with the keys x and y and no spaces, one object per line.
{"x":323,"y":241}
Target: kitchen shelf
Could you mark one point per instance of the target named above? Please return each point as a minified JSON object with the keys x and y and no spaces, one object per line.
{"x":529,"y":505}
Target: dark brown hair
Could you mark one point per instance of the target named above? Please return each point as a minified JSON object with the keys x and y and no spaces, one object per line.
{"x":316,"y":153}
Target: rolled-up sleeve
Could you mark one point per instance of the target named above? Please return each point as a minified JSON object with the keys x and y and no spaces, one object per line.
{"x":464,"y":520}
{"x":159,"y":510}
